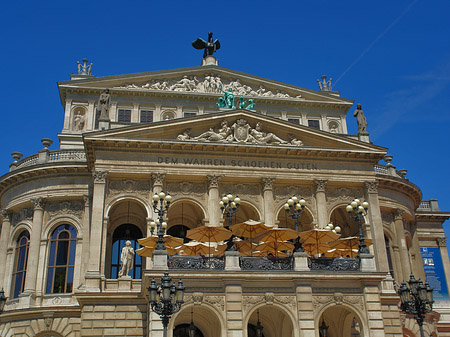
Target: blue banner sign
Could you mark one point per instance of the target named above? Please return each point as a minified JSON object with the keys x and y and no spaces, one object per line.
{"x":434,"y":273}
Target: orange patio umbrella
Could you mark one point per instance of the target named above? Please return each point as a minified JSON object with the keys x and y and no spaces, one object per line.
{"x":351,"y":242}
{"x":169,"y":241}
{"x":275,"y":246}
{"x":148,"y":251}
{"x":249,"y":229}
{"x":209,"y":234}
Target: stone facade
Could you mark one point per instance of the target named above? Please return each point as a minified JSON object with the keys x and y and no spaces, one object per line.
{"x":97,"y":190}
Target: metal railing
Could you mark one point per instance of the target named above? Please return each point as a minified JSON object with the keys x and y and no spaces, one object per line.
{"x":266,"y":263}
{"x":334,"y":264}
{"x":196,"y":262}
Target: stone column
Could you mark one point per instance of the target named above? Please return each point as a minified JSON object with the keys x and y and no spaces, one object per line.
{"x":401,"y":242}
{"x":376,"y":226}
{"x":4,"y":238}
{"x":213,"y":200}
{"x":159,"y":259}
{"x":86,"y":233}
{"x":269,"y":216}
{"x":93,"y":275}
{"x":442,"y":244}
{"x":417,"y":261}
{"x":305,"y":314}
{"x":321,"y":203}
{"x":398,"y":264}
{"x":67,"y":114}
{"x":33,"y":250}
{"x":90,"y":117}
{"x":234,"y":312}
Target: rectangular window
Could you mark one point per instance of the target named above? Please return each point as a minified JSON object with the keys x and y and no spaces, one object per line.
{"x":314,"y":123}
{"x":146,"y":116}
{"x":189,"y":114}
{"x":294,"y":120}
{"x":124,"y":116}
{"x":97,"y":116}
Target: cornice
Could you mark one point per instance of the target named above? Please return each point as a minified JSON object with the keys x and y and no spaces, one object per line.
{"x":409,"y":189}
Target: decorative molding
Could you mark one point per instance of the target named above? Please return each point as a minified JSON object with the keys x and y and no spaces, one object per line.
{"x":158,"y":179}
{"x":356,"y":301}
{"x":241,"y":189}
{"x":197,"y":297}
{"x":186,"y":188}
{"x":387,"y":218}
{"x":250,"y":301}
{"x":38,"y":204}
{"x":269,"y":298}
{"x":23,"y":214}
{"x":57,"y":300}
{"x":7,"y":215}
{"x":371,"y":186}
{"x":267,"y":183}
{"x":131,"y":186}
{"x":320,"y":184}
{"x":75,"y":208}
{"x":283,"y":193}
{"x":343,"y":194}
{"x":210,"y":83}
{"x":398,"y":214}
{"x":213,"y":181}
{"x":87,"y":200}
{"x":217,"y":301}
{"x":99,"y":176}
{"x":441,"y":242}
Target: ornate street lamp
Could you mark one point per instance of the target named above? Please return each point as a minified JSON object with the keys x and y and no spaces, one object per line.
{"x":323,"y":329}
{"x":294,"y":208}
{"x":229,"y":205}
{"x":3,"y":299}
{"x":358,"y":210}
{"x":161,"y":203}
{"x":259,"y":328}
{"x":416,"y":300}
{"x":166,"y":299}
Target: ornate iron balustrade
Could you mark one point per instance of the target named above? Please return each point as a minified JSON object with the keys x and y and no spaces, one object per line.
{"x":334,"y":264}
{"x":266,"y":263}
{"x":196,"y":262}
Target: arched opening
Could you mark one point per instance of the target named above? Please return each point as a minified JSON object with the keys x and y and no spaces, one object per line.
{"x":389,"y":255}
{"x":340,"y":217}
{"x":20,"y":263}
{"x":203,"y":318}
{"x":340,"y":321}
{"x":127,"y":222}
{"x":274,"y":321}
{"x":182,"y":216}
{"x":304,"y":222}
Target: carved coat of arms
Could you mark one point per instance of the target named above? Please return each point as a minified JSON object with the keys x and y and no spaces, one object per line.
{"x":241,"y":130}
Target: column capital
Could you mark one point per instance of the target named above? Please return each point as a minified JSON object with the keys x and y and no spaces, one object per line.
{"x":371,"y":186}
{"x":267,"y":182}
{"x":441,"y":242}
{"x":320,"y":184}
{"x":99,"y":176}
{"x":398,"y":214}
{"x":38,"y":203}
{"x":213,"y":180}
{"x":158,"y":178}
{"x":6,"y":215}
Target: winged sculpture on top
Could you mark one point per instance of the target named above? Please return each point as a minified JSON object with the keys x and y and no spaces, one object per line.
{"x":209,"y":46}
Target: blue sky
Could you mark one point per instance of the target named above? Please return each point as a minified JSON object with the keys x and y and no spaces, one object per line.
{"x":393,"y":57}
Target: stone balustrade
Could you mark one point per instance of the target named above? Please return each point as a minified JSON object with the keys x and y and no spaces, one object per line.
{"x":51,"y":156}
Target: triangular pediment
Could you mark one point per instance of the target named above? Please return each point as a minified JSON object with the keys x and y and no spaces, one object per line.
{"x":202,"y":81}
{"x":235,"y":129}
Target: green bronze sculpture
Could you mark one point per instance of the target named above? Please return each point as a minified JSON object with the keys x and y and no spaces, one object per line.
{"x":227,"y":100}
{"x":251,"y":105}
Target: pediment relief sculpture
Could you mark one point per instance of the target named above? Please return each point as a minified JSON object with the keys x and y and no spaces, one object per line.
{"x":211,"y":84}
{"x":239,"y":132}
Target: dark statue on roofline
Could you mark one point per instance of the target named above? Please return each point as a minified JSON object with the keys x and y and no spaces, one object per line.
{"x":209,"y":46}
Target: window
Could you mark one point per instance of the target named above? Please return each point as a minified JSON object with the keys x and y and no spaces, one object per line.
{"x":189,"y":114}
{"x":388,"y":253}
{"x":61,"y":261}
{"x":146,"y":116}
{"x":124,"y":116}
{"x":121,"y":235}
{"x":314,"y":123}
{"x":20,"y":263}
{"x":294,"y":120}
{"x":97,"y":117}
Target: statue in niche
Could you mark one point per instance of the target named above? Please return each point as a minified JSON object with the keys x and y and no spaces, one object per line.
{"x":78,"y":121}
{"x":360,"y":119}
{"x":104,"y":102}
{"x":210,"y":46}
{"x":126,"y":259}
{"x":265,"y":138}
{"x":221,"y":135}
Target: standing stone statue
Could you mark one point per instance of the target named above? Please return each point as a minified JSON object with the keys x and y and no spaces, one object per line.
{"x":210,"y":46}
{"x":104,"y":102}
{"x":126,"y":259}
{"x":360,"y":119}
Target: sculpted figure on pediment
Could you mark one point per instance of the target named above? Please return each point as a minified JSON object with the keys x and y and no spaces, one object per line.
{"x":219,"y":135}
{"x":262,"y":137}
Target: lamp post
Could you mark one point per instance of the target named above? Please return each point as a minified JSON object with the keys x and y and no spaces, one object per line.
{"x":161,"y":203}
{"x":358,"y":210}
{"x":294,"y":208}
{"x":192,"y":329}
{"x":229,"y":205}
{"x":417,"y":300}
{"x":3,"y":299}
{"x":323,"y":329}
{"x":259,"y":327}
{"x":166,"y":299}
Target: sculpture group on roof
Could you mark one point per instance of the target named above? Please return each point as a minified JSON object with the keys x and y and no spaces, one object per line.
{"x":240,"y":132}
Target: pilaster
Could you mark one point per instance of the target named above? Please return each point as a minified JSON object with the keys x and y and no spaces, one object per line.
{"x":269,"y":216}
{"x":442,"y":244}
{"x":135,"y":113}
{"x":4,"y":236}
{"x":93,"y":274}
{"x":401,"y":242}
{"x":90,"y":116}
{"x":33,"y":250}
{"x":305,"y":305}
{"x":321,"y":202}
{"x":68,"y":107}
{"x":234,"y":312}
{"x":86,"y":234}
{"x":213,"y":200}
